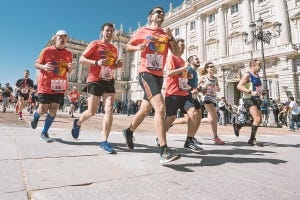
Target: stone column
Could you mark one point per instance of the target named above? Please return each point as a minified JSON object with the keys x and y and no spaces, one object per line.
{"x":221,"y":30}
{"x":119,"y":70}
{"x":282,"y":17}
{"x":246,"y":20}
{"x":201,"y":47}
{"x":79,"y":73}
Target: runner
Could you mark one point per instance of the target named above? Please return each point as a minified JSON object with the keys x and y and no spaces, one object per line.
{"x":34,"y":99}
{"x":193,"y":92}
{"x":7,"y":91}
{"x":209,"y":86}
{"x":153,"y":42}
{"x":23,"y":87}
{"x":102,"y":58}
{"x":54,"y":62}
{"x":177,"y":96}
{"x":250,"y":85}
{"x":73,"y":98}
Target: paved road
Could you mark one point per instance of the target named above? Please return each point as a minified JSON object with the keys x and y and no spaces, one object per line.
{"x":77,"y":169}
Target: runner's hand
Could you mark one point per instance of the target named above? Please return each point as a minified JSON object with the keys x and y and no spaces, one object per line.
{"x":119,"y":63}
{"x":48,"y":67}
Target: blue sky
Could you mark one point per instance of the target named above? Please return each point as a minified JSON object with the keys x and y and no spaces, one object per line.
{"x":27,"y":25}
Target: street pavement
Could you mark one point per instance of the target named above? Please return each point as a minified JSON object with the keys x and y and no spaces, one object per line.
{"x":77,"y":169}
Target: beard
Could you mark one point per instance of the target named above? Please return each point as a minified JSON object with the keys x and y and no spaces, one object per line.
{"x":196,"y":65}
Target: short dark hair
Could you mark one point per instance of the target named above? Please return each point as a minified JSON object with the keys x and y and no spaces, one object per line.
{"x":190,"y":58}
{"x":150,"y":12}
{"x":252,"y":61}
{"x":107,"y":24}
{"x":291,"y":98}
{"x":27,"y":71}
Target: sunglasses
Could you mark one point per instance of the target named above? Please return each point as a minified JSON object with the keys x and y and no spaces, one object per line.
{"x":211,"y":66}
{"x":160,"y":12}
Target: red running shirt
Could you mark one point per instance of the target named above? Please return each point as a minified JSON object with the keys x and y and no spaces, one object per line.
{"x":97,"y":50}
{"x":73,"y":96}
{"x":177,"y":84}
{"x":153,"y":57}
{"x":58,"y":77}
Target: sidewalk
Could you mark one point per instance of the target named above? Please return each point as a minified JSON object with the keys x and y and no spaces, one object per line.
{"x":77,"y":169}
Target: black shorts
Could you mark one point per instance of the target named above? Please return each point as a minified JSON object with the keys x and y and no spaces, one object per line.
{"x":198,"y":104}
{"x":173,"y":103}
{"x":24,"y":95}
{"x":50,"y":98}
{"x":209,"y":100}
{"x":34,"y":99}
{"x":253,"y":101}
{"x":151,"y":84}
{"x":100,"y":87}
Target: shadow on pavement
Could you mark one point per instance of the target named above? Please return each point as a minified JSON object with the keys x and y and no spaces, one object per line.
{"x":121,"y":147}
{"x":217,"y":160}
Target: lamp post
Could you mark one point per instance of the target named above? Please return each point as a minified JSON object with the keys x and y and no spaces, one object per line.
{"x":264,"y":37}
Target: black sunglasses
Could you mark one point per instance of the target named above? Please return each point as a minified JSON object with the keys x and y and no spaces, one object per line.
{"x":158,"y":12}
{"x":211,"y":66}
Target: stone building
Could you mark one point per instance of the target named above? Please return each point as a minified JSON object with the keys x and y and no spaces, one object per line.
{"x":213,"y":30}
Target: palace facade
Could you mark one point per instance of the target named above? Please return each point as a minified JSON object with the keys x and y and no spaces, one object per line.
{"x":213,"y":30}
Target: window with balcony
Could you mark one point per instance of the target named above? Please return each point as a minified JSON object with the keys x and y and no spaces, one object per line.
{"x":176,"y":31}
{"x":211,"y":18}
{"x":234,"y":8}
{"x":234,"y":46}
{"x":212,"y":51}
{"x":192,"y":25}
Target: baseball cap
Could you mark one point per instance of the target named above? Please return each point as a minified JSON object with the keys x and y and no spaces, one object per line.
{"x":61,"y":32}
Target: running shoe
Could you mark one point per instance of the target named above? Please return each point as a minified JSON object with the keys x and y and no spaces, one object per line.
{"x":45,"y":137}
{"x":75,"y":129}
{"x":192,"y":146}
{"x":20,"y":118}
{"x":218,"y":141}
{"x":34,"y":123}
{"x":255,"y":142}
{"x":196,"y":141}
{"x":105,"y":146}
{"x":128,"y":138}
{"x":169,"y":155}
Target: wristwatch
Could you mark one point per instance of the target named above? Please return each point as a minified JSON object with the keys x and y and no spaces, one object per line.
{"x":172,"y":39}
{"x":96,"y":62}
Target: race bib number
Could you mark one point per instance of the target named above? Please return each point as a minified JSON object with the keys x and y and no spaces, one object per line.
{"x":154,"y":62}
{"x":24,"y":90}
{"x":58,"y":86}
{"x":211,"y":90}
{"x":183,"y":84}
{"x":106,"y":73}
